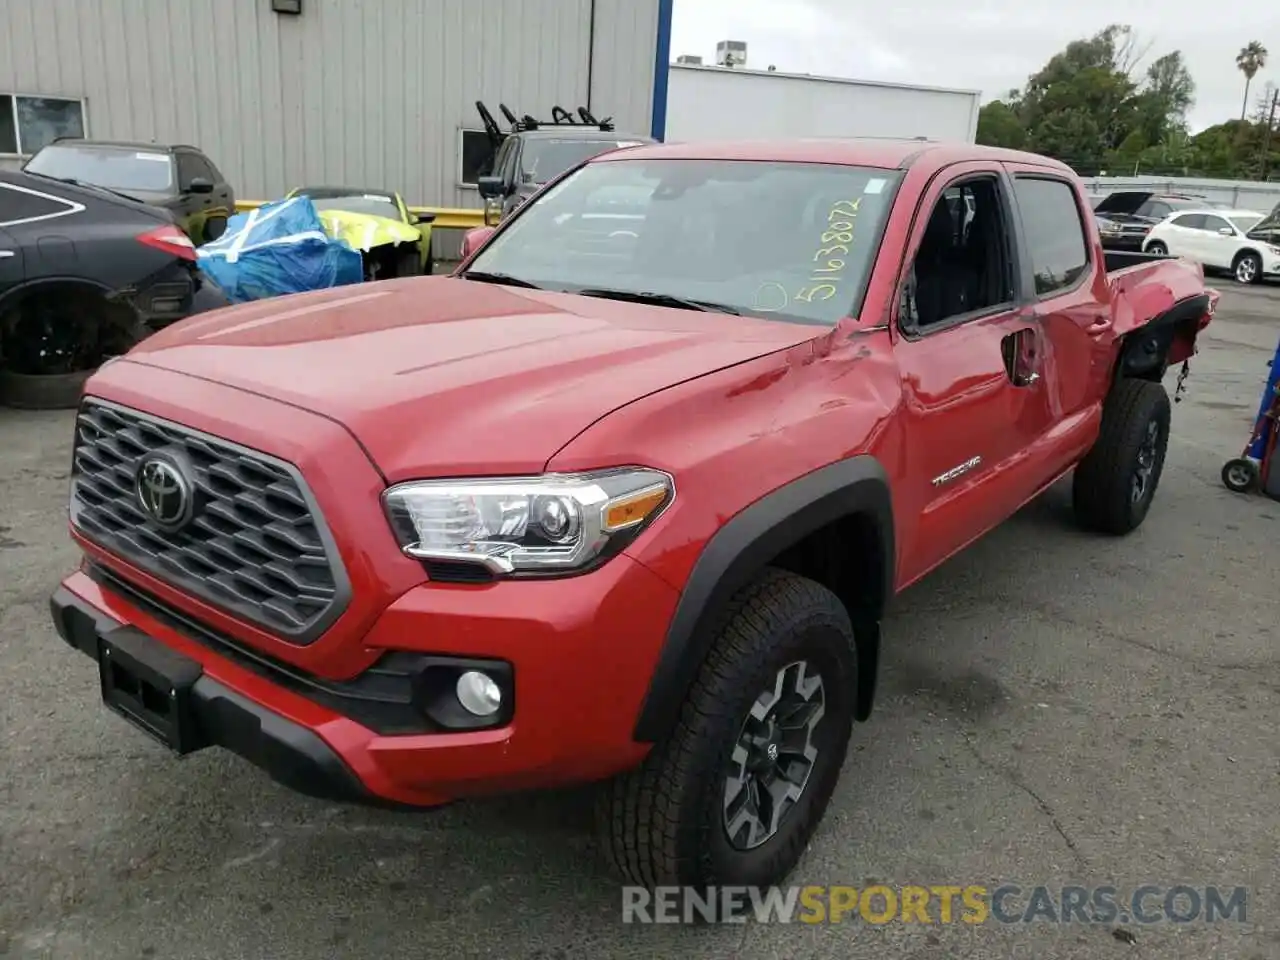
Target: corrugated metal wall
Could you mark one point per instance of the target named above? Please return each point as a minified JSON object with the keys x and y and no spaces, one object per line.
{"x":362,"y":92}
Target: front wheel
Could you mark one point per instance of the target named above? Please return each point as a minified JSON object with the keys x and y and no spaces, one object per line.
{"x":1157,"y":249}
{"x":1116,"y":481}
{"x":1248,"y":268}
{"x":734,"y":794}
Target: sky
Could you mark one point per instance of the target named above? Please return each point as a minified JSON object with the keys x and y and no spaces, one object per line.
{"x":987,"y":45}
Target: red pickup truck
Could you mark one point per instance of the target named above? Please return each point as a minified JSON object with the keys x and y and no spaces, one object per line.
{"x":624,"y":498}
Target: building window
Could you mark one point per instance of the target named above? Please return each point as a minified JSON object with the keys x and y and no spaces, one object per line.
{"x":28,"y":123}
{"x":475,"y":156}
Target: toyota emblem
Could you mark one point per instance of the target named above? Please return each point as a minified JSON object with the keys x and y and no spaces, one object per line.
{"x":164,"y":493}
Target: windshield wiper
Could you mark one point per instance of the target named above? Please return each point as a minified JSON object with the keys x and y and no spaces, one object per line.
{"x":504,"y":279}
{"x":658,"y":300}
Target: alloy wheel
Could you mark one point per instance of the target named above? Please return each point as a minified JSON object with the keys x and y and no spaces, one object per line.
{"x":774,"y":756}
{"x":1146,"y":462}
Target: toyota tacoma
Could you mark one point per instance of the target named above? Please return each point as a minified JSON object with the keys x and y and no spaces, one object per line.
{"x":617,"y":505}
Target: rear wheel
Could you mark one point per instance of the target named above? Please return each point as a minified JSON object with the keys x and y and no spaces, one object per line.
{"x":1116,"y":481}
{"x":1247,"y":268}
{"x":734,"y":794}
{"x":52,"y":341}
{"x":1157,"y":248}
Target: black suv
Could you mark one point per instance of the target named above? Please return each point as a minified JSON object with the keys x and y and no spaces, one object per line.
{"x":1127,"y":216}
{"x":180,"y":178}
{"x":534,"y":152}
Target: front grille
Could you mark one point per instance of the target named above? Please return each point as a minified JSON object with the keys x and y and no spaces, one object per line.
{"x":255,"y":545}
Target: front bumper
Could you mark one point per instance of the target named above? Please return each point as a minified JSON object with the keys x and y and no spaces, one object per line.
{"x":581,"y":651}
{"x":219,"y":716}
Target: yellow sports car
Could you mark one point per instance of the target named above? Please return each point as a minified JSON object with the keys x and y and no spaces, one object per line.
{"x":393,"y":241}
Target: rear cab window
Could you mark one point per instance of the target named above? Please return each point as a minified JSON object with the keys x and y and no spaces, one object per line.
{"x":1054,"y":233}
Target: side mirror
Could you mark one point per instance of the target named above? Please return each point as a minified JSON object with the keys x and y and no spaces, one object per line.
{"x":200,"y":185}
{"x":491,"y":188}
{"x":474,"y":239}
{"x":422,"y":218}
{"x":492,"y":212}
{"x":1226,"y":231}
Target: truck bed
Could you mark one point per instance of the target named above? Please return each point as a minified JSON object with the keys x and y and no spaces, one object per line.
{"x":1146,"y":286}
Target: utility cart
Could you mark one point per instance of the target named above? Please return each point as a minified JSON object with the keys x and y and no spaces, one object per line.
{"x":1258,"y":467}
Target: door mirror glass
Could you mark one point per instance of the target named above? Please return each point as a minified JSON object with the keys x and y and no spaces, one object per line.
{"x":492,"y":212}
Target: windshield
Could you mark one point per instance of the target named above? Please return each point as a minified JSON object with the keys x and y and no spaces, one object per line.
{"x":373,"y":204}
{"x":117,"y":168}
{"x":791,"y":241}
{"x":544,"y":159}
{"x":1245,"y":222}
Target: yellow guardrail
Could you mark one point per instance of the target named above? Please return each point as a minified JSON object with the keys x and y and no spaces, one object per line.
{"x":446,"y":217}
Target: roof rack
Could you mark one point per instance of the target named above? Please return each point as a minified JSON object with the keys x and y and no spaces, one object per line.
{"x":560,"y":117}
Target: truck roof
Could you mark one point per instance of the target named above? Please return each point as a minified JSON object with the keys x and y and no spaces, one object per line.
{"x":887,"y":153}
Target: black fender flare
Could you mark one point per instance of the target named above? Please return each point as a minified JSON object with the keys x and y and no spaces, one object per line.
{"x":1146,"y":347}
{"x":745,"y":545}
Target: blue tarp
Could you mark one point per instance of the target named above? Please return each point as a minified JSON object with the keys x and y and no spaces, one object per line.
{"x":275,"y":249}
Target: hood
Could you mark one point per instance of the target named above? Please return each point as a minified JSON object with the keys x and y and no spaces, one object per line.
{"x":437,"y":376}
{"x":364,"y":231}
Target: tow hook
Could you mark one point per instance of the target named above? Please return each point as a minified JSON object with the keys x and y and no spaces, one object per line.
{"x":1181,"y":386}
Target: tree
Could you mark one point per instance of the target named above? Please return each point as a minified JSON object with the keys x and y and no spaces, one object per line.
{"x":999,"y":126}
{"x":1095,"y":106}
{"x":1251,"y":58}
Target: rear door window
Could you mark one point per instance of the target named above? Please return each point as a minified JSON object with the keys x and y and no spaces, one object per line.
{"x":1054,"y":233}
{"x":20,"y":206}
{"x":1189,"y":221}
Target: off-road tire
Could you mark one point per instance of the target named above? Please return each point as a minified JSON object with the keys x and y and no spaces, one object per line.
{"x":1102,"y":489}
{"x":663,"y":822}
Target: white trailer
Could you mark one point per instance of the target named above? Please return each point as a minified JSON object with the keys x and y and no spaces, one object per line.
{"x":721,"y":103}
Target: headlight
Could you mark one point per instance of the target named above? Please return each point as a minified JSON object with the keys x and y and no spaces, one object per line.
{"x":1274,"y":250}
{"x":553,"y":523}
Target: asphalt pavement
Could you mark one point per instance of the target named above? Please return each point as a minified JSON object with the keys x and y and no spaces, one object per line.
{"x":1057,"y":709}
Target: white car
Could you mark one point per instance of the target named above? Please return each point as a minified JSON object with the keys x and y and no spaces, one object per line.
{"x":1217,"y":239}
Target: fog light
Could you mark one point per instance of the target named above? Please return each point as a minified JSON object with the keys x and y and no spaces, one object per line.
{"x":478,"y":694}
